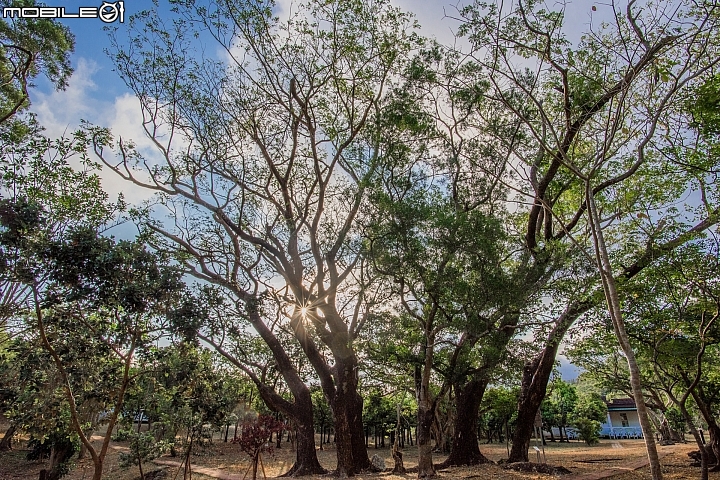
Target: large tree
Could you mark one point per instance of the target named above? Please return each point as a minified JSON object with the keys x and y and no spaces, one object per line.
{"x":37,"y":177}
{"x":604,"y":129}
{"x":222,"y":324}
{"x":445,"y":263}
{"x":441,"y":200}
{"x":263,"y":160}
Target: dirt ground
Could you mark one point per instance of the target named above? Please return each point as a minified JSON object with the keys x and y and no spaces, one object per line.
{"x":227,"y":459}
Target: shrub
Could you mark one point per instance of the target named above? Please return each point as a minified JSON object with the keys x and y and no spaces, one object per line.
{"x":143,"y":448}
{"x":588,"y":430}
{"x":255,"y":438}
{"x":122,"y":435}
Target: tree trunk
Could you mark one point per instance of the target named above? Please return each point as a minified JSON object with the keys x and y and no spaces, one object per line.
{"x":397,"y":454}
{"x":306,"y":462}
{"x":465,"y":450}
{"x":60,"y":454}
{"x":346,"y":405}
{"x":361,"y":461}
{"x":345,"y":465}
{"x":714,"y":445}
{"x":536,"y":375}
{"x":339,"y":384}
{"x":142,"y":474}
{"x":6,"y":442}
{"x":613,"y":301}
{"x":704,"y":457}
{"x":713,"y":429}
{"x":299,"y":412}
{"x":426,"y":415}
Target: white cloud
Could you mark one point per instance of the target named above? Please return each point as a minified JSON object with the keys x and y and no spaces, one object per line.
{"x":60,"y":113}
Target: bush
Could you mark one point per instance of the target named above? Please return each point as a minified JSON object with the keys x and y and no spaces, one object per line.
{"x":588,"y":430}
{"x":122,"y":435}
{"x":143,"y":448}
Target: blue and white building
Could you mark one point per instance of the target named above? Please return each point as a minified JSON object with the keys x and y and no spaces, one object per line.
{"x":622,"y":420}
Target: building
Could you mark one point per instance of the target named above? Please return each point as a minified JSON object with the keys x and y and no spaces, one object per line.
{"x":622,"y":420}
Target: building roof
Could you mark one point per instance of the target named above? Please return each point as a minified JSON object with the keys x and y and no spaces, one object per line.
{"x":619,"y":404}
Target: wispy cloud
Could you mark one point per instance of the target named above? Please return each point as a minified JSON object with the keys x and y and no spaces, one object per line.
{"x":60,"y":113}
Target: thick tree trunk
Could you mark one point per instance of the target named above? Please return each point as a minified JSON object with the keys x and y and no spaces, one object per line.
{"x":532,"y":392}
{"x":6,"y":442}
{"x":713,"y":445}
{"x":426,"y":415}
{"x":343,"y":444}
{"x":361,"y":461}
{"x":397,"y":454}
{"x":306,"y":461}
{"x":465,"y":450}
{"x":346,"y":404}
{"x":339,"y":384}
{"x":60,"y":454}
{"x":300,"y":413}
{"x":536,"y":375}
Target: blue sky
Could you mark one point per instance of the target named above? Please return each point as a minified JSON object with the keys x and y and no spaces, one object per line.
{"x":97,"y":94}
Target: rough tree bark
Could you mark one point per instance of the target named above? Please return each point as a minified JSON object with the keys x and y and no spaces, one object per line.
{"x":339,"y":385}
{"x":397,"y":453}
{"x":536,"y":375}
{"x":426,"y":403}
{"x":465,"y":450}
{"x":6,"y":442}
{"x":713,"y":445}
{"x":299,"y":411}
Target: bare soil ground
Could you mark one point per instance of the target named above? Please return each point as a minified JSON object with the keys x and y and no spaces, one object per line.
{"x":229,"y":462}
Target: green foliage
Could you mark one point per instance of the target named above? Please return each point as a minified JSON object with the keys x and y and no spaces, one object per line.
{"x":379,"y":410}
{"x":588,"y":429}
{"x":559,"y":404}
{"x":184,"y":388}
{"x":65,"y":445}
{"x":590,"y":406}
{"x":122,"y":435}
{"x":143,"y":448}
{"x":590,"y":410}
{"x":322,"y":415}
{"x":498,"y":408}
{"x":704,"y":106}
{"x":675,"y":419}
{"x":95,"y":304}
{"x":30,"y":47}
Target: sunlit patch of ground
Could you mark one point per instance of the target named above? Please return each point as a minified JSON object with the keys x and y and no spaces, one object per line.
{"x":577,"y":457}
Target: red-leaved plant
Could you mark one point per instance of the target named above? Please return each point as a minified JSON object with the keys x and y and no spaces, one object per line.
{"x":255,"y":438}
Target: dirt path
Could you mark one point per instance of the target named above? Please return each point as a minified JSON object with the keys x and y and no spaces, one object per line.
{"x":210,"y":472}
{"x":599,"y":475}
{"x":611,"y":472}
